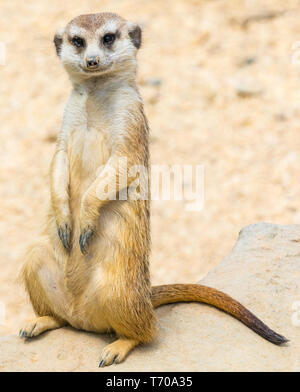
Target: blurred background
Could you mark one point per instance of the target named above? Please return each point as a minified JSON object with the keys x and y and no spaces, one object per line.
{"x":220,"y":80}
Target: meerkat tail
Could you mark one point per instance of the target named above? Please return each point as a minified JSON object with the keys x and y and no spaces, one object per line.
{"x":166,"y":294}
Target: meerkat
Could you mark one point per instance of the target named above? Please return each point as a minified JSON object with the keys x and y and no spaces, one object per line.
{"x":90,"y":266}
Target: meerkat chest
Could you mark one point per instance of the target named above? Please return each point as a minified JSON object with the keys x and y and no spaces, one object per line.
{"x":89,"y":144}
{"x":88,"y":150}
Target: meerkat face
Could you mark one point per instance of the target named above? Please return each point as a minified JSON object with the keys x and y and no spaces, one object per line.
{"x":94,"y":44}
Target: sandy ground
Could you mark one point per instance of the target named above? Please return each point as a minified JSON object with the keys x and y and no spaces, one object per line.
{"x":220,"y":90}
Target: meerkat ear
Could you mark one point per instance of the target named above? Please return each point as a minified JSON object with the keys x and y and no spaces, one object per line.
{"x":135,"y":34}
{"x":58,"y":40}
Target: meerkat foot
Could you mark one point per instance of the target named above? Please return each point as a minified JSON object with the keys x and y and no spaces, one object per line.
{"x":41,"y":324}
{"x":117,"y":351}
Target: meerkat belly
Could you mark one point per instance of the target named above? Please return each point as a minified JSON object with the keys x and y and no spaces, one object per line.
{"x":104,"y":271}
{"x":85,"y":276}
{"x":88,"y":152}
{"x":91,"y":312}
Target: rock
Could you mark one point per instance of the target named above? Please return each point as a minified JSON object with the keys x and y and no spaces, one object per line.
{"x":262,"y":272}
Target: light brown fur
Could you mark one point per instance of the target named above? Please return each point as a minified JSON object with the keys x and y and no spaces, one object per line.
{"x":102,"y":283}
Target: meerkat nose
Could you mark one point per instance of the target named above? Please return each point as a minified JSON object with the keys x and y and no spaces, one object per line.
{"x":92,"y":62}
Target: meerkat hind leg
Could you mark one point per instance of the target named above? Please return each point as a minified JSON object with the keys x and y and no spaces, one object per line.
{"x":39,"y":325}
{"x":117,"y":351}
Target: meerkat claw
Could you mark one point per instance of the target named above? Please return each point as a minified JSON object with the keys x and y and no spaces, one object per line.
{"x":84,"y":240}
{"x":102,"y":363}
{"x":23,"y":334}
{"x":65,"y":236}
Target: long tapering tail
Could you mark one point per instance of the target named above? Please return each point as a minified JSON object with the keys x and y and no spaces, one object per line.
{"x":166,"y":294}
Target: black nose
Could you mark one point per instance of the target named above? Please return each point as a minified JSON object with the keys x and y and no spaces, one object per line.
{"x":92,"y":62}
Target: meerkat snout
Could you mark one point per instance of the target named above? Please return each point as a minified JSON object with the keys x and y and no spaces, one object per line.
{"x":91,"y":45}
{"x":92,"y":62}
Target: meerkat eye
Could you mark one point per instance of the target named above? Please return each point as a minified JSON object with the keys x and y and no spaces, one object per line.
{"x":78,"y":42}
{"x":108,"y":39}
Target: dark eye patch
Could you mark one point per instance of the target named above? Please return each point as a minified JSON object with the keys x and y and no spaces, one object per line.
{"x":78,"y":42}
{"x":109,"y":39}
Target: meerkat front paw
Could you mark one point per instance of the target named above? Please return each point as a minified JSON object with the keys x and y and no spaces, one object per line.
{"x":85,"y":238}
{"x":88,"y":218}
{"x":64,"y":233}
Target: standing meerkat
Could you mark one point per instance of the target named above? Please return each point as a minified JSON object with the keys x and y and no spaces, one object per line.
{"x":90,"y":267}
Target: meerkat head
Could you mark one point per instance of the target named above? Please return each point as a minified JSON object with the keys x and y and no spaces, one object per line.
{"x":95,"y":44}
